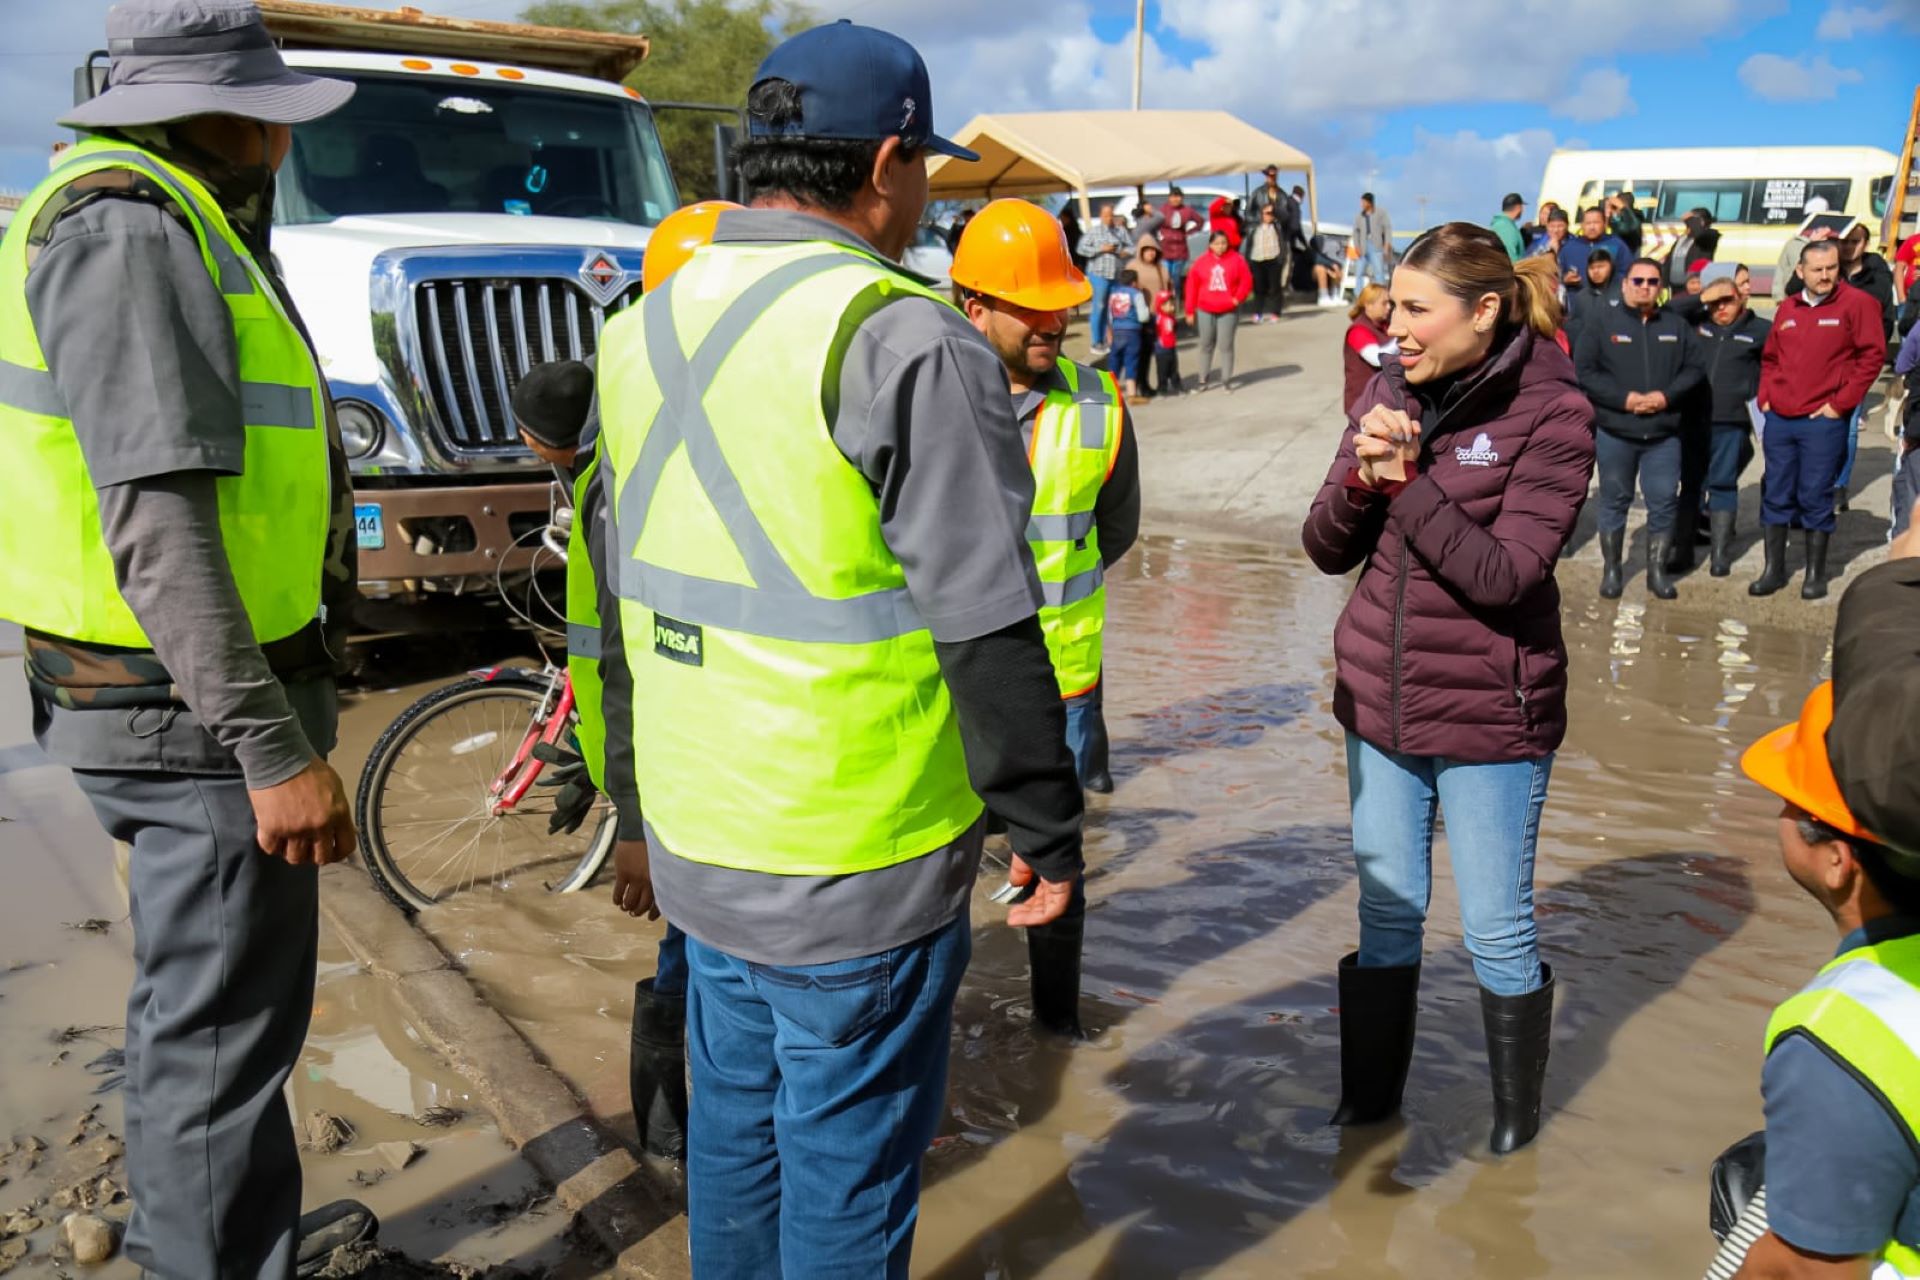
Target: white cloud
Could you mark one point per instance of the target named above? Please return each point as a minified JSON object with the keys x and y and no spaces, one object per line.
{"x":1844,"y":22}
{"x":1460,"y":175}
{"x":1781,"y":79}
{"x":1602,"y":94}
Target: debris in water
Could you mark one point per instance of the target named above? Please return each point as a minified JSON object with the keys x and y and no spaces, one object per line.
{"x":327,"y":1133}
{"x":440,"y":1117}
{"x":11,"y":1252}
{"x":398,"y":1155}
{"x":21,"y":1222}
{"x":92,"y":924}
{"x":90,"y":1238}
{"x":70,"y":1034}
{"x":368,"y":1177}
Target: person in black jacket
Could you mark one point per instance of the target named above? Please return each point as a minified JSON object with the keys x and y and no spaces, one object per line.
{"x":1600,"y":287}
{"x":1730,"y":341}
{"x":1636,"y":363}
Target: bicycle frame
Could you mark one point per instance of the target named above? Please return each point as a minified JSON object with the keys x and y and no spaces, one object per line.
{"x":549,"y":722}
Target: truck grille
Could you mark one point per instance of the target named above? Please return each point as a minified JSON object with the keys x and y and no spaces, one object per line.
{"x":478,"y":338}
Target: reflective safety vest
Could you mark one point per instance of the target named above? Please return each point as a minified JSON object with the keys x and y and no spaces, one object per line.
{"x":56,"y":576}
{"x":1076,"y":441}
{"x":788,"y":709}
{"x":1864,"y":1008}
{"x":583,"y":632}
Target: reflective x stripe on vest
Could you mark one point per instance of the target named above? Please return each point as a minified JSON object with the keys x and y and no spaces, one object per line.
{"x":55,"y":573}
{"x":583,"y":629}
{"x":1864,"y":1008}
{"x":1076,"y":438}
{"x":789,"y":715}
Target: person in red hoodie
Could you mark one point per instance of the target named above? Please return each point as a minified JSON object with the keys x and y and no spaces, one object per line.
{"x":1822,"y":356}
{"x":1216,"y":286}
{"x":1221,"y":217}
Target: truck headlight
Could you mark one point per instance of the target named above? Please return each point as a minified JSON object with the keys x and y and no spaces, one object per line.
{"x":362,"y":429}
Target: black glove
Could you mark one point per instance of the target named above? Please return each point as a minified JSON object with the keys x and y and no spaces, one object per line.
{"x":573,"y":800}
{"x":1737,"y":1174}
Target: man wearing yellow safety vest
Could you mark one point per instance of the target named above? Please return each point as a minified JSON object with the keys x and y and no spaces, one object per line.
{"x":1841,"y":1082}
{"x":176,"y":538}
{"x":1018,"y":285}
{"x":829,"y":613}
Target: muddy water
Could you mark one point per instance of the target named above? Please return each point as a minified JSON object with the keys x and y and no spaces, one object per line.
{"x":1188,"y":1137}
{"x":62,"y":1006}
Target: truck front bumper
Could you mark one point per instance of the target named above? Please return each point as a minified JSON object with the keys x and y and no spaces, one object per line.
{"x":437,"y":534}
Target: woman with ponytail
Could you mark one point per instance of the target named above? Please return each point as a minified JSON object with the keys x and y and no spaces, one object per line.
{"x":1465,"y":463}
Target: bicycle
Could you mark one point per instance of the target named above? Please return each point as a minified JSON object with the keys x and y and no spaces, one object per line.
{"x":446,"y":800}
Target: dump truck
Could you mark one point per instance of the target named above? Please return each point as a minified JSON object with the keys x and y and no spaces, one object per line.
{"x":480,"y":206}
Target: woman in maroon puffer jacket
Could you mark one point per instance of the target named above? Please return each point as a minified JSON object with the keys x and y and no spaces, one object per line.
{"x":1458,"y":488}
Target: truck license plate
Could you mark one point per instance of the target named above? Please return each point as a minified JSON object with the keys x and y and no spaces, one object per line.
{"x":367,"y":522}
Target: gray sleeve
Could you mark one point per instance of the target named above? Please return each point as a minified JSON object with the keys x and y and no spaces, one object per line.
{"x":139,"y":342}
{"x":164,"y":536}
{"x":924,"y":411}
{"x":1117,"y":510}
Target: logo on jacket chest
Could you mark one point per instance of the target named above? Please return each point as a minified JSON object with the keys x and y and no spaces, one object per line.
{"x":1480,"y":453}
{"x":680,"y":641}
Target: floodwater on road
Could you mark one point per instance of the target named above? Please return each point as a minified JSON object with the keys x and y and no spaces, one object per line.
{"x":1188,"y":1136}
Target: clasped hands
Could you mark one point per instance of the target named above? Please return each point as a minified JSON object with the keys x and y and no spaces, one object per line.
{"x":1388,"y":440}
{"x":1645,"y":402}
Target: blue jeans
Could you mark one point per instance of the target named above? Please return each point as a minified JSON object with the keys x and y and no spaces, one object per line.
{"x":1853,"y":445}
{"x":670,"y":965}
{"x":1493,"y":823}
{"x":1129,"y":348}
{"x":1729,"y":450}
{"x":1177,"y":278}
{"x":1097,"y":323}
{"x":1804,"y":457}
{"x":1373,"y":266}
{"x":815,"y":1091}
{"x":1655,"y":464}
{"x":1087,"y":732}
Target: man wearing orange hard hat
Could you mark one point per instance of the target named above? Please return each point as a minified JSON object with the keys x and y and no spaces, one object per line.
{"x":1017,"y":283}
{"x":1841,"y":1081}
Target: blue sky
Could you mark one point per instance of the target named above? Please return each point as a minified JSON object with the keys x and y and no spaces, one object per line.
{"x":1457,"y":100}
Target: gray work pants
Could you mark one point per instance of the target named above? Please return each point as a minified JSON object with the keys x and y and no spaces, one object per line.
{"x":1221,"y":329}
{"x":224,"y":945}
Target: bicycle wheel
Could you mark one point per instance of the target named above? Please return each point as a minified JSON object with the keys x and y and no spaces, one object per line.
{"x":429,"y":824}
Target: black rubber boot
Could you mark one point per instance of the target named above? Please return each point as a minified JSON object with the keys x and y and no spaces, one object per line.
{"x":1721,"y":563}
{"x":657,"y":1071}
{"x":1518,"y":1031}
{"x":1377,"y":1010}
{"x":1053,"y":959}
{"x":1613,"y":546}
{"x":1681,"y":557}
{"x":1814,"y":585}
{"x":1659,"y":551}
{"x":331,"y":1226}
{"x":1774,"y":575}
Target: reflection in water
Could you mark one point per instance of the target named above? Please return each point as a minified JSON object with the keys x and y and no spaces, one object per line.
{"x":1187,"y":1136}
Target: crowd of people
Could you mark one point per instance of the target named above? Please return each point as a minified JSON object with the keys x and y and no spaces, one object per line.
{"x":824,"y":740}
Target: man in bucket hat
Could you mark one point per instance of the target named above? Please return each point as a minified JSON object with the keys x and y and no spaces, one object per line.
{"x":176,"y":540}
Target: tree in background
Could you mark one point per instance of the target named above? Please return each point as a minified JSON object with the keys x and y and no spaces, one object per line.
{"x":702,"y":51}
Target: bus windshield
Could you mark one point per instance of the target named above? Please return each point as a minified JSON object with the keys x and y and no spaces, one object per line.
{"x":419,"y":145}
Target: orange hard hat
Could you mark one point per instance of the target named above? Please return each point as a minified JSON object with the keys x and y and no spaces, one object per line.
{"x":1792,"y":763}
{"x":675,"y":239}
{"x":1017,"y":252}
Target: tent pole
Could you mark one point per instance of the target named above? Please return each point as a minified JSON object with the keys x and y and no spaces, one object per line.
{"x":1139,"y":46}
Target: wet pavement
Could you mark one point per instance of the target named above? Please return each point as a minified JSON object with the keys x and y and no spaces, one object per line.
{"x":1188,"y":1137}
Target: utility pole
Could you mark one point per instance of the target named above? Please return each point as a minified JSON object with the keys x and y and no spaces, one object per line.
{"x":1422,"y":202}
{"x":1139,"y":46}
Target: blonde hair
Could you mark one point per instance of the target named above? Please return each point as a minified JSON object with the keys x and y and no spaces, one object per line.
{"x":1364,"y":298}
{"x":1471,"y":262}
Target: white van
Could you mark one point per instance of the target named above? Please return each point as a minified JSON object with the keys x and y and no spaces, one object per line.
{"x":1757,"y":195}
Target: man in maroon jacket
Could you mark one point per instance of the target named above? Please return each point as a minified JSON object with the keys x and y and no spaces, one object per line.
{"x":1824,"y":352}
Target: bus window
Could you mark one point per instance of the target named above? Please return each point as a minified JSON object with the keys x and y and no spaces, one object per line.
{"x":1587,"y":192}
{"x":1780,"y":201}
{"x":1646,"y":193}
{"x":1882,"y":189}
{"x":1724,"y":198}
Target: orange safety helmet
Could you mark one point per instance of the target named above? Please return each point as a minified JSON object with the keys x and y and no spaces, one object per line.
{"x":1792,"y":763}
{"x":675,"y":239}
{"x":1017,"y":252}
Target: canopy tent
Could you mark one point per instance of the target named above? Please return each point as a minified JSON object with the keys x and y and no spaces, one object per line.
{"x":1039,"y":152}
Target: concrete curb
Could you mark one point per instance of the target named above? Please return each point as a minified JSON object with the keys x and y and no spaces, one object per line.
{"x":594,"y":1176}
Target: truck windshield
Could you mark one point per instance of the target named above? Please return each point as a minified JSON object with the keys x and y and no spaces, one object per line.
{"x":413,"y":144}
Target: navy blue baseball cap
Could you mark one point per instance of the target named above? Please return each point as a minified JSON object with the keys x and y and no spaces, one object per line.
{"x":857,"y":84}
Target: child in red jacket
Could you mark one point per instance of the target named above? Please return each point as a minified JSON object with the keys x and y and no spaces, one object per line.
{"x":1166,"y":343}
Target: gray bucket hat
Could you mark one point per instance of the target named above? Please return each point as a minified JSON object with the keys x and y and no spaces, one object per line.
{"x":178,"y":58}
